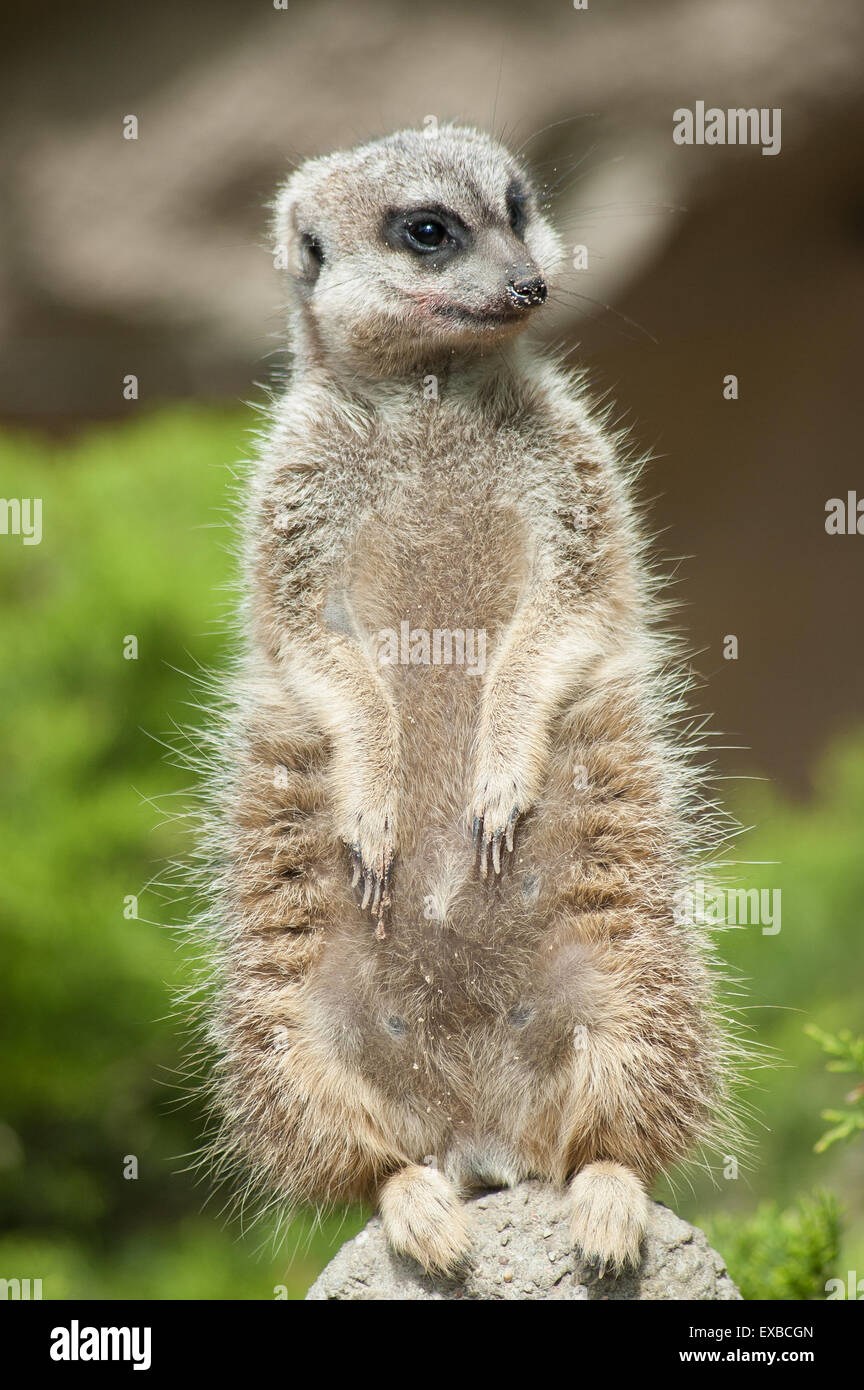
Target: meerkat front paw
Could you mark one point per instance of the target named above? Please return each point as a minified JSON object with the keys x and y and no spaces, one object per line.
{"x":496,"y":808}
{"x":371,"y":839}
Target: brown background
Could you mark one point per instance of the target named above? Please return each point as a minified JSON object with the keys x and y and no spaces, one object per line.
{"x":151,"y":257}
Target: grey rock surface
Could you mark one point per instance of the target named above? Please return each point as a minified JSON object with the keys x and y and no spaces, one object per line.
{"x":522,"y":1251}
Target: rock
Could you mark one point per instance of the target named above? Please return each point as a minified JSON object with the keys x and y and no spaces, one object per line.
{"x":522,"y":1250}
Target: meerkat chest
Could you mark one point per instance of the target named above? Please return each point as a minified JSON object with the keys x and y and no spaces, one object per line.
{"x":446,"y":550}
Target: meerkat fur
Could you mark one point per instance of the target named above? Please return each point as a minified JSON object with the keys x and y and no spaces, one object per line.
{"x":443,"y":891}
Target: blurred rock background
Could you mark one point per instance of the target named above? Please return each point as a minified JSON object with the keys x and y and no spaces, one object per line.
{"x":151,"y":257}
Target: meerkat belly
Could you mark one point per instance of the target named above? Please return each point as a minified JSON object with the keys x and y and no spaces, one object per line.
{"x":469,"y":1039}
{"x":457,"y":1010}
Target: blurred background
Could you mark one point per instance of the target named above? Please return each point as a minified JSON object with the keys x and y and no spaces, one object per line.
{"x":149,"y":258}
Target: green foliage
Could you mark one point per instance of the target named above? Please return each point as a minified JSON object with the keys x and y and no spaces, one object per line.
{"x":132,"y":545}
{"x":779,"y":1254}
{"x":847,"y":1055}
{"x":135,"y":543}
{"x":810,"y":971}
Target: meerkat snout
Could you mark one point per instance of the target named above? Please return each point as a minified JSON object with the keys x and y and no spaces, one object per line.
{"x":411,"y":248}
{"x":528,"y":290}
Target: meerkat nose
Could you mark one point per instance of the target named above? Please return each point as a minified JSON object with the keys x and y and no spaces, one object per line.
{"x":528,"y":291}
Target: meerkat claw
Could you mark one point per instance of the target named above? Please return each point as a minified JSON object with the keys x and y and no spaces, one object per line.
{"x":357,"y":864}
{"x":481,"y":846}
{"x":371,"y":869}
{"x":385,"y":887}
{"x":489,"y":843}
{"x":376,"y":886}
{"x":367,"y":891}
{"x":496,"y":851}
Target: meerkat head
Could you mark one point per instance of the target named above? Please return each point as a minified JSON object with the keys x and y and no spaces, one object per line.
{"x":413,"y":247}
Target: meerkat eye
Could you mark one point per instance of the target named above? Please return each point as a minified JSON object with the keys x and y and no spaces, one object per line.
{"x":311,"y":256}
{"x":426,"y":234}
{"x":436,"y":232}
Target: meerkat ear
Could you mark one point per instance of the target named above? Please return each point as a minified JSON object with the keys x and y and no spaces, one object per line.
{"x":282,"y":225}
{"x":297,"y":247}
{"x":311,"y":257}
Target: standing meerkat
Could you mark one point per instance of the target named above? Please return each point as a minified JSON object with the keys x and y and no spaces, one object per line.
{"x":453,"y":817}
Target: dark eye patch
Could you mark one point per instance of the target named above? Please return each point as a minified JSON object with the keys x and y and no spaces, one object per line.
{"x":433,"y":233}
{"x":517,"y":206}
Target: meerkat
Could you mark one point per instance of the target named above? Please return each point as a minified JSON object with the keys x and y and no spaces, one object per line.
{"x":448,"y":952}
